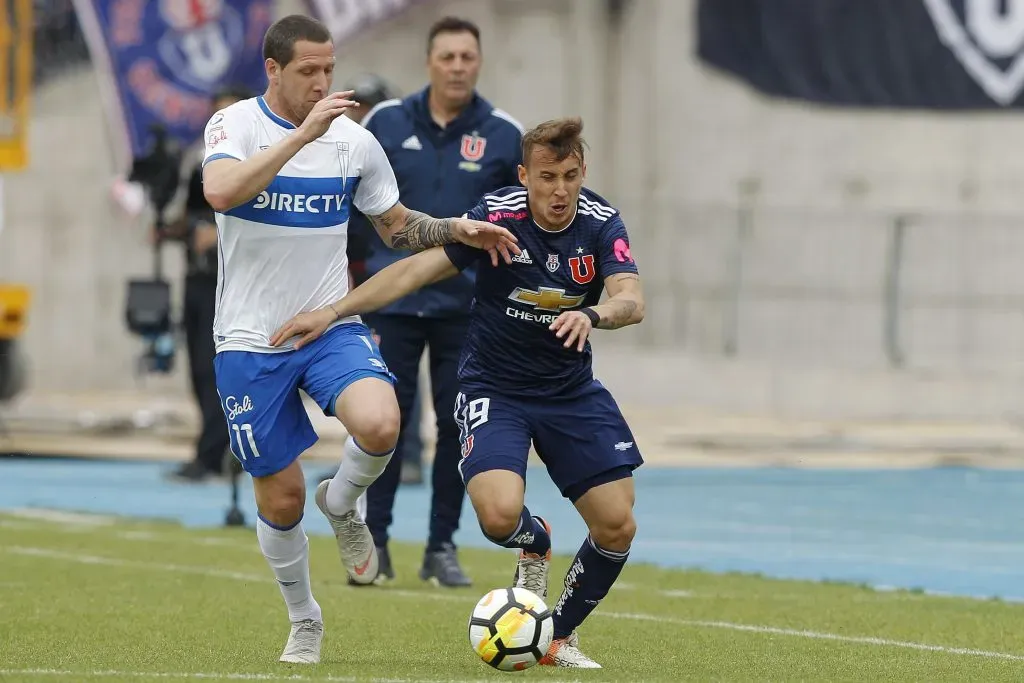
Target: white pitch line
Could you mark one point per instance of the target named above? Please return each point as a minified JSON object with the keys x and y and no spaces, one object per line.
{"x":817,"y":635}
{"x":135,"y":675}
{"x":117,"y":562}
{"x":692,"y":623}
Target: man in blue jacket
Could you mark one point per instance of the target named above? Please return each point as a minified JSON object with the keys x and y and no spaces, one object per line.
{"x":448,"y":146}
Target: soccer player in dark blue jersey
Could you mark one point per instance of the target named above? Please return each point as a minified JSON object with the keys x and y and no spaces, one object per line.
{"x":525,"y":373}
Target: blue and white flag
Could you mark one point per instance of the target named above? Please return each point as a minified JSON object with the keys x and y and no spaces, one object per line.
{"x":345,"y":18}
{"x":160,"y":62}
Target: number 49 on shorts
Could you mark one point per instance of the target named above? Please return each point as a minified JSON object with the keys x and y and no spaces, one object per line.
{"x":469,"y":415}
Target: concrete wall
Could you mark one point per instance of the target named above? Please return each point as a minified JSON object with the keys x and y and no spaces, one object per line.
{"x":798,"y":279}
{"x":64,"y":237}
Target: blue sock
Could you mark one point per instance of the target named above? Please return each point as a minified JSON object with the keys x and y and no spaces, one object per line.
{"x":590,"y":577}
{"x":529,"y":535}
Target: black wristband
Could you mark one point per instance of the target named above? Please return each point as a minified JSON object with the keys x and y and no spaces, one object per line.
{"x":592,"y":314}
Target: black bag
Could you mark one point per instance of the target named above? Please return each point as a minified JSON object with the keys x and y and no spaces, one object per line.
{"x":148,"y":309}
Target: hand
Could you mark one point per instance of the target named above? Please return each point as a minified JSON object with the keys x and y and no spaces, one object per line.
{"x":323,"y":114}
{"x":204,"y":237}
{"x":493,"y":239}
{"x":574,"y":326}
{"x":307,"y":326}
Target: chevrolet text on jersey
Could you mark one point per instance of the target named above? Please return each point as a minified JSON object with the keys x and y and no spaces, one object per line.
{"x":510,"y":349}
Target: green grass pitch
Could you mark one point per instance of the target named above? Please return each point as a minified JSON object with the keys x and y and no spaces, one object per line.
{"x":119,"y":600}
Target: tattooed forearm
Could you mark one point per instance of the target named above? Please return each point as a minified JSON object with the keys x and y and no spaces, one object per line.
{"x":422,"y":232}
{"x":616,"y":313}
{"x":625,"y":307}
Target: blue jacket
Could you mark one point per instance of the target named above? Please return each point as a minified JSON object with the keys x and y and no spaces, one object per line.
{"x":442,"y":172}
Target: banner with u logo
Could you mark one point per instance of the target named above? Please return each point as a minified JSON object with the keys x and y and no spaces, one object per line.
{"x":160,"y":61}
{"x":933,"y":54}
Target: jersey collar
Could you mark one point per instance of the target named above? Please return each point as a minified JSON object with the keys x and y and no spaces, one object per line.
{"x":272,"y":116}
{"x":554,"y":232}
{"x":466,"y":119}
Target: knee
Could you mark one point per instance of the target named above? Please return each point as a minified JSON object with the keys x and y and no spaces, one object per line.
{"x":615,"y":532}
{"x":284,"y":506}
{"x":379,"y":434}
{"x":498,"y":519}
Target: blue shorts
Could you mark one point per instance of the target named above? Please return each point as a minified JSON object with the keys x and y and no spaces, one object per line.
{"x":579,"y":439}
{"x":259,"y":392}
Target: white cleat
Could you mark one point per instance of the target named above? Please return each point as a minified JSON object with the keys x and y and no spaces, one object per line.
{"x":565,"y":652}
{"x":355,"y":543}
{"x":532,"y":570}
{"x":304,"y":641}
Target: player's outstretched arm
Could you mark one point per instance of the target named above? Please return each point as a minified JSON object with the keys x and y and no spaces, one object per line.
{"x":228,"y":183}
{"x":625,"y":306}
{"x":387,"y":286}
{"x":403,"y":228}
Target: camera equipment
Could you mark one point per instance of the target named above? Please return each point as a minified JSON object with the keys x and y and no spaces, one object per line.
{"x":233,"y":470}
{"x":14,"y":304}
{"x":148,"y":308}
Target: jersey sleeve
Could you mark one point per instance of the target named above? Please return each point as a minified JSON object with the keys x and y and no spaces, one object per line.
{"x":462,"y":255}
{"x":228,"y":135}
{"x":613,"y":248}
{"x":378,"y":189}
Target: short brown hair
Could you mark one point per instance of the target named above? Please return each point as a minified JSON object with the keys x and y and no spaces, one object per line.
{"x":452,"y":25}
{"x":561,"y":136}
{"x":279,"y":42}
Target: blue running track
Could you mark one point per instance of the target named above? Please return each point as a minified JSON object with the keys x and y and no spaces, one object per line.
{"x":958,"y":531}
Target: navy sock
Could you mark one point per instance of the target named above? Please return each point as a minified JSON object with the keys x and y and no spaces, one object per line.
{"x":590,"y":577}
{"x":529,"y":535}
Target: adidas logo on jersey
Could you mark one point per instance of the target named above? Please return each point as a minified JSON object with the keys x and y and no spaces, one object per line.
{"x":523,"y":257}
{"x":412,"y":142}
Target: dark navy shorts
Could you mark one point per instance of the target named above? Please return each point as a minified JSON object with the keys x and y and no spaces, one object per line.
{"x":580,"y":439}
{"x":259,"y":392}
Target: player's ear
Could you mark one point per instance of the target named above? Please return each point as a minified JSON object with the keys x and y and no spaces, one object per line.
{"x":583,"y":171}
{"x":272,"y":68}
{"x":522,"y":175}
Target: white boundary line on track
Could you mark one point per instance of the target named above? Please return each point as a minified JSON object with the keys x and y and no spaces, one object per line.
{"x":690,"y":623}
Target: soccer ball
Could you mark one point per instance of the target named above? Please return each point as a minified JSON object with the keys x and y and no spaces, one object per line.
{"x":511,"y":629}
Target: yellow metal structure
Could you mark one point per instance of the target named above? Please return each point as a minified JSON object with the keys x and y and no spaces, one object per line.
{"x":14,"y":303}
{"x":16,"y":69}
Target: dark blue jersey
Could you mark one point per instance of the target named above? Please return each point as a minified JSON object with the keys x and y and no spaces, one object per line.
{"x":509,"y":349}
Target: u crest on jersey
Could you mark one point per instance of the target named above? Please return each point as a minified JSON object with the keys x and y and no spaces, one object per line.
{"x":582,"y":269}
{"x":473,"y":147}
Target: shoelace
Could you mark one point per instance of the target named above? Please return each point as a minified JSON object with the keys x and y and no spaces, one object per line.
{"x":532,"y":575}
{"x":351,"y":527}
{"x":305,"y":633}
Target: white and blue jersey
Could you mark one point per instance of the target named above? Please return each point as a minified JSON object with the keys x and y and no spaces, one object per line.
{"x":280,"y":254}
{"x":283,"y":252}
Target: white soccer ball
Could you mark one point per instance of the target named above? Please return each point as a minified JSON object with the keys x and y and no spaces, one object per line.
{"x":511,"y":629}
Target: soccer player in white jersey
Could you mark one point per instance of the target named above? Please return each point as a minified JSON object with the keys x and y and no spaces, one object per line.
{"x":282,"y":171}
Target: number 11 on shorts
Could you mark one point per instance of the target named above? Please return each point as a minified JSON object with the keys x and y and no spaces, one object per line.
{"x":247,"y":428}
